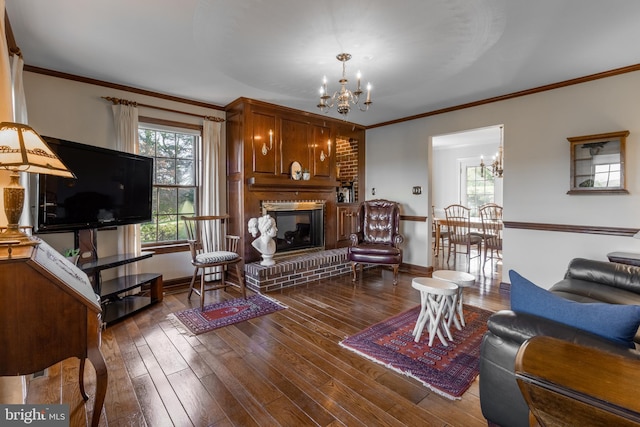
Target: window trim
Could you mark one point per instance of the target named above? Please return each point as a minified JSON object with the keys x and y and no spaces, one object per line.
{"x":167,"y":247}
{"x":172,"y":246}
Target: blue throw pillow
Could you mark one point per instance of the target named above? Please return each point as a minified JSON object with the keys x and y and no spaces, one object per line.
{"x":615,"y":322}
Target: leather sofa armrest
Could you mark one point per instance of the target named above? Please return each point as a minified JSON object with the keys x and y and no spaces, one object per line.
{"x":519,"y":327}
{"x":612,"y":274}
{"x":500,"y":398}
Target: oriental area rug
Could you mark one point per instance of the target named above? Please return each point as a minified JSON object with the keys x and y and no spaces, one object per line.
{"x":226,"y":313}
{"x":448,"y":371}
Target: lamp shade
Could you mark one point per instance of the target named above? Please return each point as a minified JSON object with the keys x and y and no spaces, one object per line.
{"x":22,"y":149}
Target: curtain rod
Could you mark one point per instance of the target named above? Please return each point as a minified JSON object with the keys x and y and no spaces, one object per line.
{"x":117,"y":101}
{"x":11,"y":40}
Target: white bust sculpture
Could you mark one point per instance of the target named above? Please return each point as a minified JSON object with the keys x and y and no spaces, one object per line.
{"x":264,"y":244}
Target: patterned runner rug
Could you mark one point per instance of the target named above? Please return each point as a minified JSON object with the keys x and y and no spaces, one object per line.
{"x":448,"y":371}
{"x":226,"y":313}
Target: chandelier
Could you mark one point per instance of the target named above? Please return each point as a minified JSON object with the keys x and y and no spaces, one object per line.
{"x":498,"y":160}
{"x":343,"y":98}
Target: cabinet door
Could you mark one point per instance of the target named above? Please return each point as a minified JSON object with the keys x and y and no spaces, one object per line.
{"x":295,"y":145}
{"x":264,"y":142}
{"x":347,"y":222}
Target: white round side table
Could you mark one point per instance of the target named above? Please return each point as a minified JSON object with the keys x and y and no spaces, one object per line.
{"x":463,"y":280}
{"x":436,"y":296}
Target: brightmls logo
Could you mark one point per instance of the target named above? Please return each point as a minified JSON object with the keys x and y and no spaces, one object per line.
{"x":34,"y":415}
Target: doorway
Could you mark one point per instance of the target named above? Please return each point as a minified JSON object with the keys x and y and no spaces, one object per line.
{"x":457,"y":174}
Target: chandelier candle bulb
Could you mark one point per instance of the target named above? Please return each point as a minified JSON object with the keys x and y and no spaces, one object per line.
{"x":343,"y":98}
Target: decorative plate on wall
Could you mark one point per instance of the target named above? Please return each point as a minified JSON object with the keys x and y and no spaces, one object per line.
{"x":296,"y":171}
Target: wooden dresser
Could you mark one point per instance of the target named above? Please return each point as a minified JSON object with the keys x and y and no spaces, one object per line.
{"x":48,"y":313}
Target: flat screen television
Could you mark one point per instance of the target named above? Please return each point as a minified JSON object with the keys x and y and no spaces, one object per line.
{"x":111,"y":188}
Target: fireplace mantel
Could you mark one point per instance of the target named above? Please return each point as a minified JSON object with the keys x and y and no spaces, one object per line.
{"x":292,"y":184}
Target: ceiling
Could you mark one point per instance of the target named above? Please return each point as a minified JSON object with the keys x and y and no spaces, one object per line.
{"x":419,"y":55}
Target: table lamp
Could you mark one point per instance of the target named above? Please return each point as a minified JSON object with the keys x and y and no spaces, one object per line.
{"x":23,"y":150}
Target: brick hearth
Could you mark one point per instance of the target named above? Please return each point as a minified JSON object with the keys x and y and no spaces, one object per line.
{"x":297,"y":270}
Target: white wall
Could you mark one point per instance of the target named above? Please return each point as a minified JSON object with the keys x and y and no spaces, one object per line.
{"x":445,"y":187}
{"x":536,"y":167}
{"x":75,"y":111}
{"x":393,"y":167}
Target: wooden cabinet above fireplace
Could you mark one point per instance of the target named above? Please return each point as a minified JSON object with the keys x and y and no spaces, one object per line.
{"x":263,"y":142}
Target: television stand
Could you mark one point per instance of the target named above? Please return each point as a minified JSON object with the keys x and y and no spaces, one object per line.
{"x":113,"y":299}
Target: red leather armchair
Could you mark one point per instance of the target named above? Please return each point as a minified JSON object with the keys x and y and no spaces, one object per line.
{"x":378,"y":238}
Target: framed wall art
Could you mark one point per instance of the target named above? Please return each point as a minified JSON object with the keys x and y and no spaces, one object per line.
{"x":597,"y":163}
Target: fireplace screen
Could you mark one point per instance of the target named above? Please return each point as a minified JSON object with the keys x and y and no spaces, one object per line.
{"x":300,"y":224}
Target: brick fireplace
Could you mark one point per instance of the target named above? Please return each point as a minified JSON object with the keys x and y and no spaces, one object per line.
{"x":300,"y":255}
{"x":259,"y":173}
{"x":297,"y":270}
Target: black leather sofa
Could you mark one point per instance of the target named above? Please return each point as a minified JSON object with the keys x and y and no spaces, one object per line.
{"x":585,"y":281}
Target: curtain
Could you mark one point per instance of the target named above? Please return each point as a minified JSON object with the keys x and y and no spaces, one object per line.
{"x":125,"y":116}
{"x":20,"y":116}
{"x":17,"y":82}
{"x":209,"y":188}
{"x":6,"y":111}
{"x":209,"y":196}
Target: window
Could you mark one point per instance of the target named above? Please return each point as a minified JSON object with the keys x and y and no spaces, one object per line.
{"x":479,"y":188}
{"x":174,"y":184}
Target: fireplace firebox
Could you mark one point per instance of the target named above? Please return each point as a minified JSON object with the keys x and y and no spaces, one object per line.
{"x":300,"y":224}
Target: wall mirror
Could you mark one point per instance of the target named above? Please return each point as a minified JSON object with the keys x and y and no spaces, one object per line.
{"x":597,"y":163}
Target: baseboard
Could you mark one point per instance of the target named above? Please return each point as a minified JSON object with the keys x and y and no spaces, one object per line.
{"x":416,"y":270}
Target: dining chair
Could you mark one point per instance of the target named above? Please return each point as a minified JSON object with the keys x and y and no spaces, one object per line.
{"x":491,"y":215}
{"x":444,"y":234}
{"x":459,"y":225}
{"x":212,"y":252}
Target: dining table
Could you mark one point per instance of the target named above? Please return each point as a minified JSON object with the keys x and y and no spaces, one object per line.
{"x":475,"y":222}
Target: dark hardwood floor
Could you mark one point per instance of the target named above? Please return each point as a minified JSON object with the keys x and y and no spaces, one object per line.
{"x":284,"y":368}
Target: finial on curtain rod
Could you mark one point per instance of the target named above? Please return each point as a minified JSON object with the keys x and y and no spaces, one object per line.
{"x":118,"y":101}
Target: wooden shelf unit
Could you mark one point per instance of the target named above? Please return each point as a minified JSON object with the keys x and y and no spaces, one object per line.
{"x":115,"y":305}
